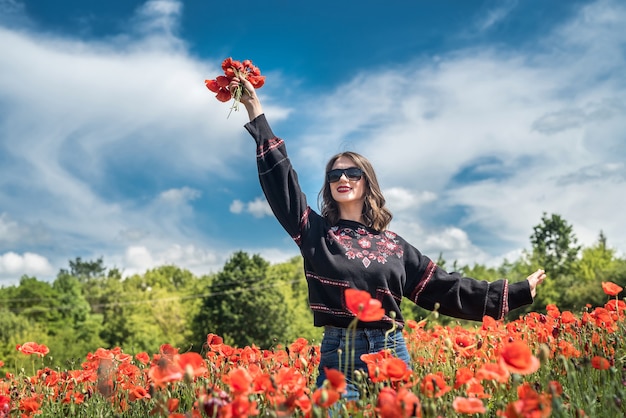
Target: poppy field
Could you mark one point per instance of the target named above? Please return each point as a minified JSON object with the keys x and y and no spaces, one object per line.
{"x":553,"y":364}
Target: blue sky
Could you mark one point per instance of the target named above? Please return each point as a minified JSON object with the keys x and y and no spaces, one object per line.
{"x":477,"y":115}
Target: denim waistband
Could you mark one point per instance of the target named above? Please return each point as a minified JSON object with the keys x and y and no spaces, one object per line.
{"x":342,"y":332}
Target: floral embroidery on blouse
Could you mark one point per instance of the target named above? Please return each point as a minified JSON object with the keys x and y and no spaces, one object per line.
{"x":363,"y":245}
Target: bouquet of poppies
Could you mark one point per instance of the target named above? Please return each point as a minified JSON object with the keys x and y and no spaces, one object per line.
{"x":239,"y":69}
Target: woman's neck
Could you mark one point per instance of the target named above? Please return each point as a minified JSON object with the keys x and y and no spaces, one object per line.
{"x":351,"y":211}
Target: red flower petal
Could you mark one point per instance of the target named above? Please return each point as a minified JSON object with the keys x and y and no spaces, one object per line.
{"x":600,"y":363}
{"x":212,"y":85}
{"x":222,"y":81}
{"x":468,"y":405}
{"x":517,"y":358}
{"x":223,"y":95}
{"x":257,"y":81}
{"x":611,"y":288}
{"x":227,"y":63}
{"x":361,"y":303}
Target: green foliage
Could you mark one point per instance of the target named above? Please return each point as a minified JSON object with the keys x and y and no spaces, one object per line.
{"x":251,"y":302}
{"x":292,"y":284}
{"x":14,"y":330}
{"x":244,"y":305}
{"x":85,"y":270}
{"x":554,"y":245}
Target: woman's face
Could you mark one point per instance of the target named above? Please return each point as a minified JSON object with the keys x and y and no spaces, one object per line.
{"x":346,"y":191}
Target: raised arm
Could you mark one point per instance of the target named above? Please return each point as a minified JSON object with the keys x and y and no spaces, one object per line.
{"x":278,"y":179}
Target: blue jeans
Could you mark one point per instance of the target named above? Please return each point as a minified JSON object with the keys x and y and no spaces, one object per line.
{"x":361,"y":341}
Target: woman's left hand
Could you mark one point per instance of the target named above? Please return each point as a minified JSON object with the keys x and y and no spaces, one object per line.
{"x":534,"y":280}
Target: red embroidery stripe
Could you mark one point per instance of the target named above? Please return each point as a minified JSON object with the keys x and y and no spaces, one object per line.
{"x":383,"y":291}
{"x":505,"y":300}
{"x":326,"y":309}
{"x":430,"y":269}
{"x":326,"y":280}
{"x":268,"y":146}
{"x":304,"y":220}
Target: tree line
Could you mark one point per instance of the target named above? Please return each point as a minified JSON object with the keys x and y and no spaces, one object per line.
{"x":250,"y":301}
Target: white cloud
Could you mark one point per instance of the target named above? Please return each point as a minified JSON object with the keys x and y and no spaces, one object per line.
{"x":495,"y":15}
{"x":237,"y":206}
{"x":161,"y":16}
{"x":257,"y":207}
{"x":179,"y":196}
{"x":13,"y":266}
{"x":400,"y":199}
{"x":199,"y":261}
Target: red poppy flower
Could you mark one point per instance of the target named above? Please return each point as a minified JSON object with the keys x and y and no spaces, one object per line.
{"x":239,"y":380}
{"x":493,"y":371}
{"x":193,"y":364}
{"x":30,"y":405}
{"x":298,"y":345}
{"x":336,"y":378}
{"x":165,"y":371}
{"x":468,"y":405}
{"x":325,"y":397}
{"x":395,"y":369}
{"x":33,"y":348}
{"x":611,"y":288}
{"x":214,"y":342}
{"x":568,"y":318}
{"x":361,"y":303}
{"x":387,"y":405}
{"x":235,"y":69}
{"x":5,"y":405}
{"x":434,"y":385}
{"x":142,"y":357}
{"x":462,"y":376}
{"x":138,"y":392}
{"x":392,"y":404}
{"x":529,"y":404}
{"x":600,"y":363}
{"x":517,"y":358}
{"x":168,"y":350}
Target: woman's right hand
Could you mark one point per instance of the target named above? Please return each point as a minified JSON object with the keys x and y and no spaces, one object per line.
{"x":248,"y":97}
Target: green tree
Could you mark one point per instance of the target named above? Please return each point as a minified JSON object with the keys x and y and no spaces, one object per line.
{"x":554,"y":245}
{"x":85,"y":271}
{"x":554,"y":249}
{"x":77,"y":330}
{"x":293,"y":286}
{"x":34,"y":300}
{"x":243,"y":305}
{"x":597,"y":264}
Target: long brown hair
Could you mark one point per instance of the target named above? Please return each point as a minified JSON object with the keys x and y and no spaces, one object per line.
{"x":375,"y":214}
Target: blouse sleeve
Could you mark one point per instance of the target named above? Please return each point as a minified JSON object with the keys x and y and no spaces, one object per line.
{"x":279,"y":180}
{"x":461,"y":297}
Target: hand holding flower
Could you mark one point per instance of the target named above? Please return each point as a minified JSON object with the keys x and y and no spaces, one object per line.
{"x":247,"y":96}
{"x":230,"y":85}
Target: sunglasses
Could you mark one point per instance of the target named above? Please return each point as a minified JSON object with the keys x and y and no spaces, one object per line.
{"x":352,"y":173}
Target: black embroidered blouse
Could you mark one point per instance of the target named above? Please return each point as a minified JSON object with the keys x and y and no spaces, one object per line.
{"x":351,"y":255}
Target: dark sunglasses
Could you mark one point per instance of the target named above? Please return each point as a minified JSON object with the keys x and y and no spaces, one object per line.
{"x":352,"y":173}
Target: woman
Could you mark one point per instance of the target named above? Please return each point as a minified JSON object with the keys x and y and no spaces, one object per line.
{"x":348,"y":246}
